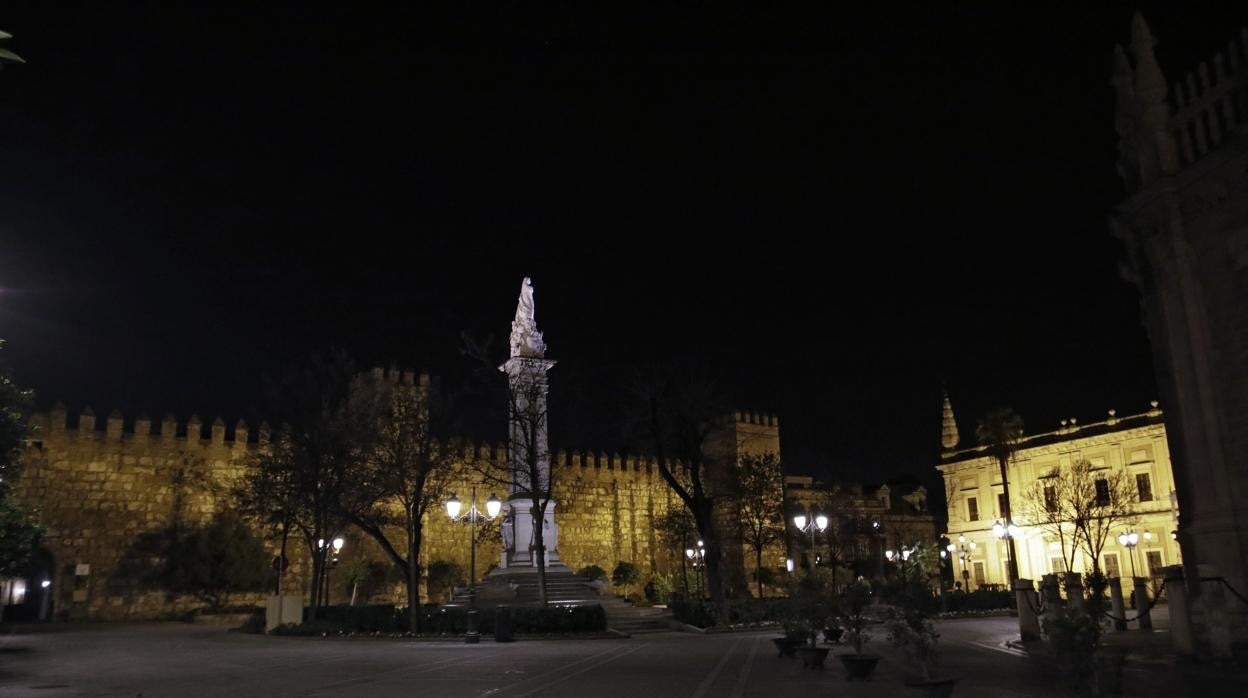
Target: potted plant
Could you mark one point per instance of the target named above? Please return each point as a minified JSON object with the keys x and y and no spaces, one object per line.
{"x":796,"y":632}
{"x":811,"y":606}
{"x":853,"y":618}
{"x":910,"y":628}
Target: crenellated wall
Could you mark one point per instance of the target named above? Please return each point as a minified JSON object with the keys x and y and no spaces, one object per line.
{"x":104,"y":489}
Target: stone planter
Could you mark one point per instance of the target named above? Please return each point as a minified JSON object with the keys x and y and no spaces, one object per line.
{"x":833,"y":635}
{"x":932,"y":688}
{"x":812,"y":657}
{"x":786,"y":646}
{"x":859,"y":666}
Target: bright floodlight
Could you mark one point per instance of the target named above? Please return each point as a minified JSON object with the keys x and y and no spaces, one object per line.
{"x":800,"y":521}
{"x":821,"y":522}
{"x":45,"y":583}
{"x":1013,"y":530}
{"x":788,"y":564}
{"x":689,"y":553}
{"x":452,"y":506}
{"x":1148,"y":535}
{"x":338,"y":543}
{"x":951,"y":547}
{"x":961,"y":538}
{"x":889,"y":554}
{"x":492,"y":506}
{"x":905,"y":553}
{"x":998,"y":530}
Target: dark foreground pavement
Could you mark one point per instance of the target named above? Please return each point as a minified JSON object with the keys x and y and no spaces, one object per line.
{"x":184,"y":660}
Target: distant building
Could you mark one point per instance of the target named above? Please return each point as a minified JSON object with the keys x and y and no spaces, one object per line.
{"x":864,"y":522}
{"x":1135,"y":445}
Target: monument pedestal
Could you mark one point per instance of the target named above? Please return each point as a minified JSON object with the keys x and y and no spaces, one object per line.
{"x":518,"y":538}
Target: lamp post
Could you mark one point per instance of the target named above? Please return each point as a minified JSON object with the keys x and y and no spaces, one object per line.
{"x":336,"y":545}
{"x":1128,"y":540}
{"x":492,"y":506}
{"x":965,"y":552}
{"x":809,"y":524}
{"x":695,"y":556}
{"x":901,"y":556}
{"x":1007,"y":531}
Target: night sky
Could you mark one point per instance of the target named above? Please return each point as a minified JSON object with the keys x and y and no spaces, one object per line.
{"x":838,"y":212}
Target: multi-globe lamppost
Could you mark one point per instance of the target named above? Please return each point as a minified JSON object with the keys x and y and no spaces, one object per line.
{"x":810,"y":524}
{"x":696,"y":557}
{"x":336,"y":545}
{"x":492,"y":506}
{"x":1008,"y":532}
{"x":965,"y":552}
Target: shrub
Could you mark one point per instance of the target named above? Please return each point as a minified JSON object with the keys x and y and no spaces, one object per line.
{"x":978,"y":600}
{"x":659,"y":588}
{"x":453,"y":620}
{"x":626,"y":574}
{"x":371,"y":618}
{"x":442,"y":577}
{"x":217,"y":560}
{"x":592,"y":572}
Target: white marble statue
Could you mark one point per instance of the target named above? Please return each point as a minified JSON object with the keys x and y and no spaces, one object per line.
{"x":526,"y":340}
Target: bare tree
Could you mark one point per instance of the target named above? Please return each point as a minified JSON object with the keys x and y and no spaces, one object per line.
{"x":1000,"y":432}
{"x":1051,"y":508}
{"x":304,"y":480}
{"x":407,"y":473}
{"x":677,"y":531}
{"x":682,"y":409}
{"x":1100,"y":500}
{"x":759,"y":490}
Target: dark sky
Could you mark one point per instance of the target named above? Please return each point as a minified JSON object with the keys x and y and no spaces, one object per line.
{"x":841,"y":212}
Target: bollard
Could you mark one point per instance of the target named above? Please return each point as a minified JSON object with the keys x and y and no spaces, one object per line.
{"x":1051,"y":590}
{"x":1116,"y":608}
{"x":1141,"y":603}
{"x":1074,"y":591}
{"x":1180,"y":617}
{"x":1028,"y":624}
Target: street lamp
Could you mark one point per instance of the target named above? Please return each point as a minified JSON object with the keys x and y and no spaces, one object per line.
{"x":336,"y":546}
{"x":696,"y":556}
{"x":965,"y":552}
{"x":1128,"y":540}
{"x":1008,"y":532}
{"x":807,"y":524}
{"x":492,"y":506}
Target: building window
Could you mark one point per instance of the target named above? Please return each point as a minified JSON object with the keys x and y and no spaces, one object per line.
{"x":1102,"y":492}
{"x":1155,"y":564}
{"x":1050,"y":499}
{"x":1057,"y":564}
{"x":972,"y":509}
{"x":1111,"y":565}
{"x":979,"y":574}
{"x":1144,"y":486}
{"x":1001,"y":504}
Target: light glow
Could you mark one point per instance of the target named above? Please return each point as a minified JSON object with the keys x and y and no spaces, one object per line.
{"x":821,"y":522}
{"x":800,"y":521}
{"x":453,"y":506}
{"x":492,"y":506}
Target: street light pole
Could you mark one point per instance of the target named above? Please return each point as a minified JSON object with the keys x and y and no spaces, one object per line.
{"x":1128,"y":540}
{"x":809,"y":525}
{"x":1007,"y":531}
{"x":492,"y":506}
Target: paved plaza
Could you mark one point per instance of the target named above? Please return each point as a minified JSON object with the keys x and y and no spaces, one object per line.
{"x":185,"y":660}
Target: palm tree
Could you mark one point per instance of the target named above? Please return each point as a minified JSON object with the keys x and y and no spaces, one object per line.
{"x":999,"y":432}
{"x":7,"y":56}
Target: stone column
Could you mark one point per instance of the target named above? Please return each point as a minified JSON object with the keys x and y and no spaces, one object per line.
{"x":1141,"y":603}
{"x":1028,"y":623}
{"x":1074,"y":591}
{"x":1116,"y":607}
{"x":1180,"y":616}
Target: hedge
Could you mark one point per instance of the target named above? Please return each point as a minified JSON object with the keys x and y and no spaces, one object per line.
{"x":453,"y":620}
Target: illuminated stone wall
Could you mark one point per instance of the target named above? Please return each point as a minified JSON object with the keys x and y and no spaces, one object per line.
{"x":99,"y":492}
